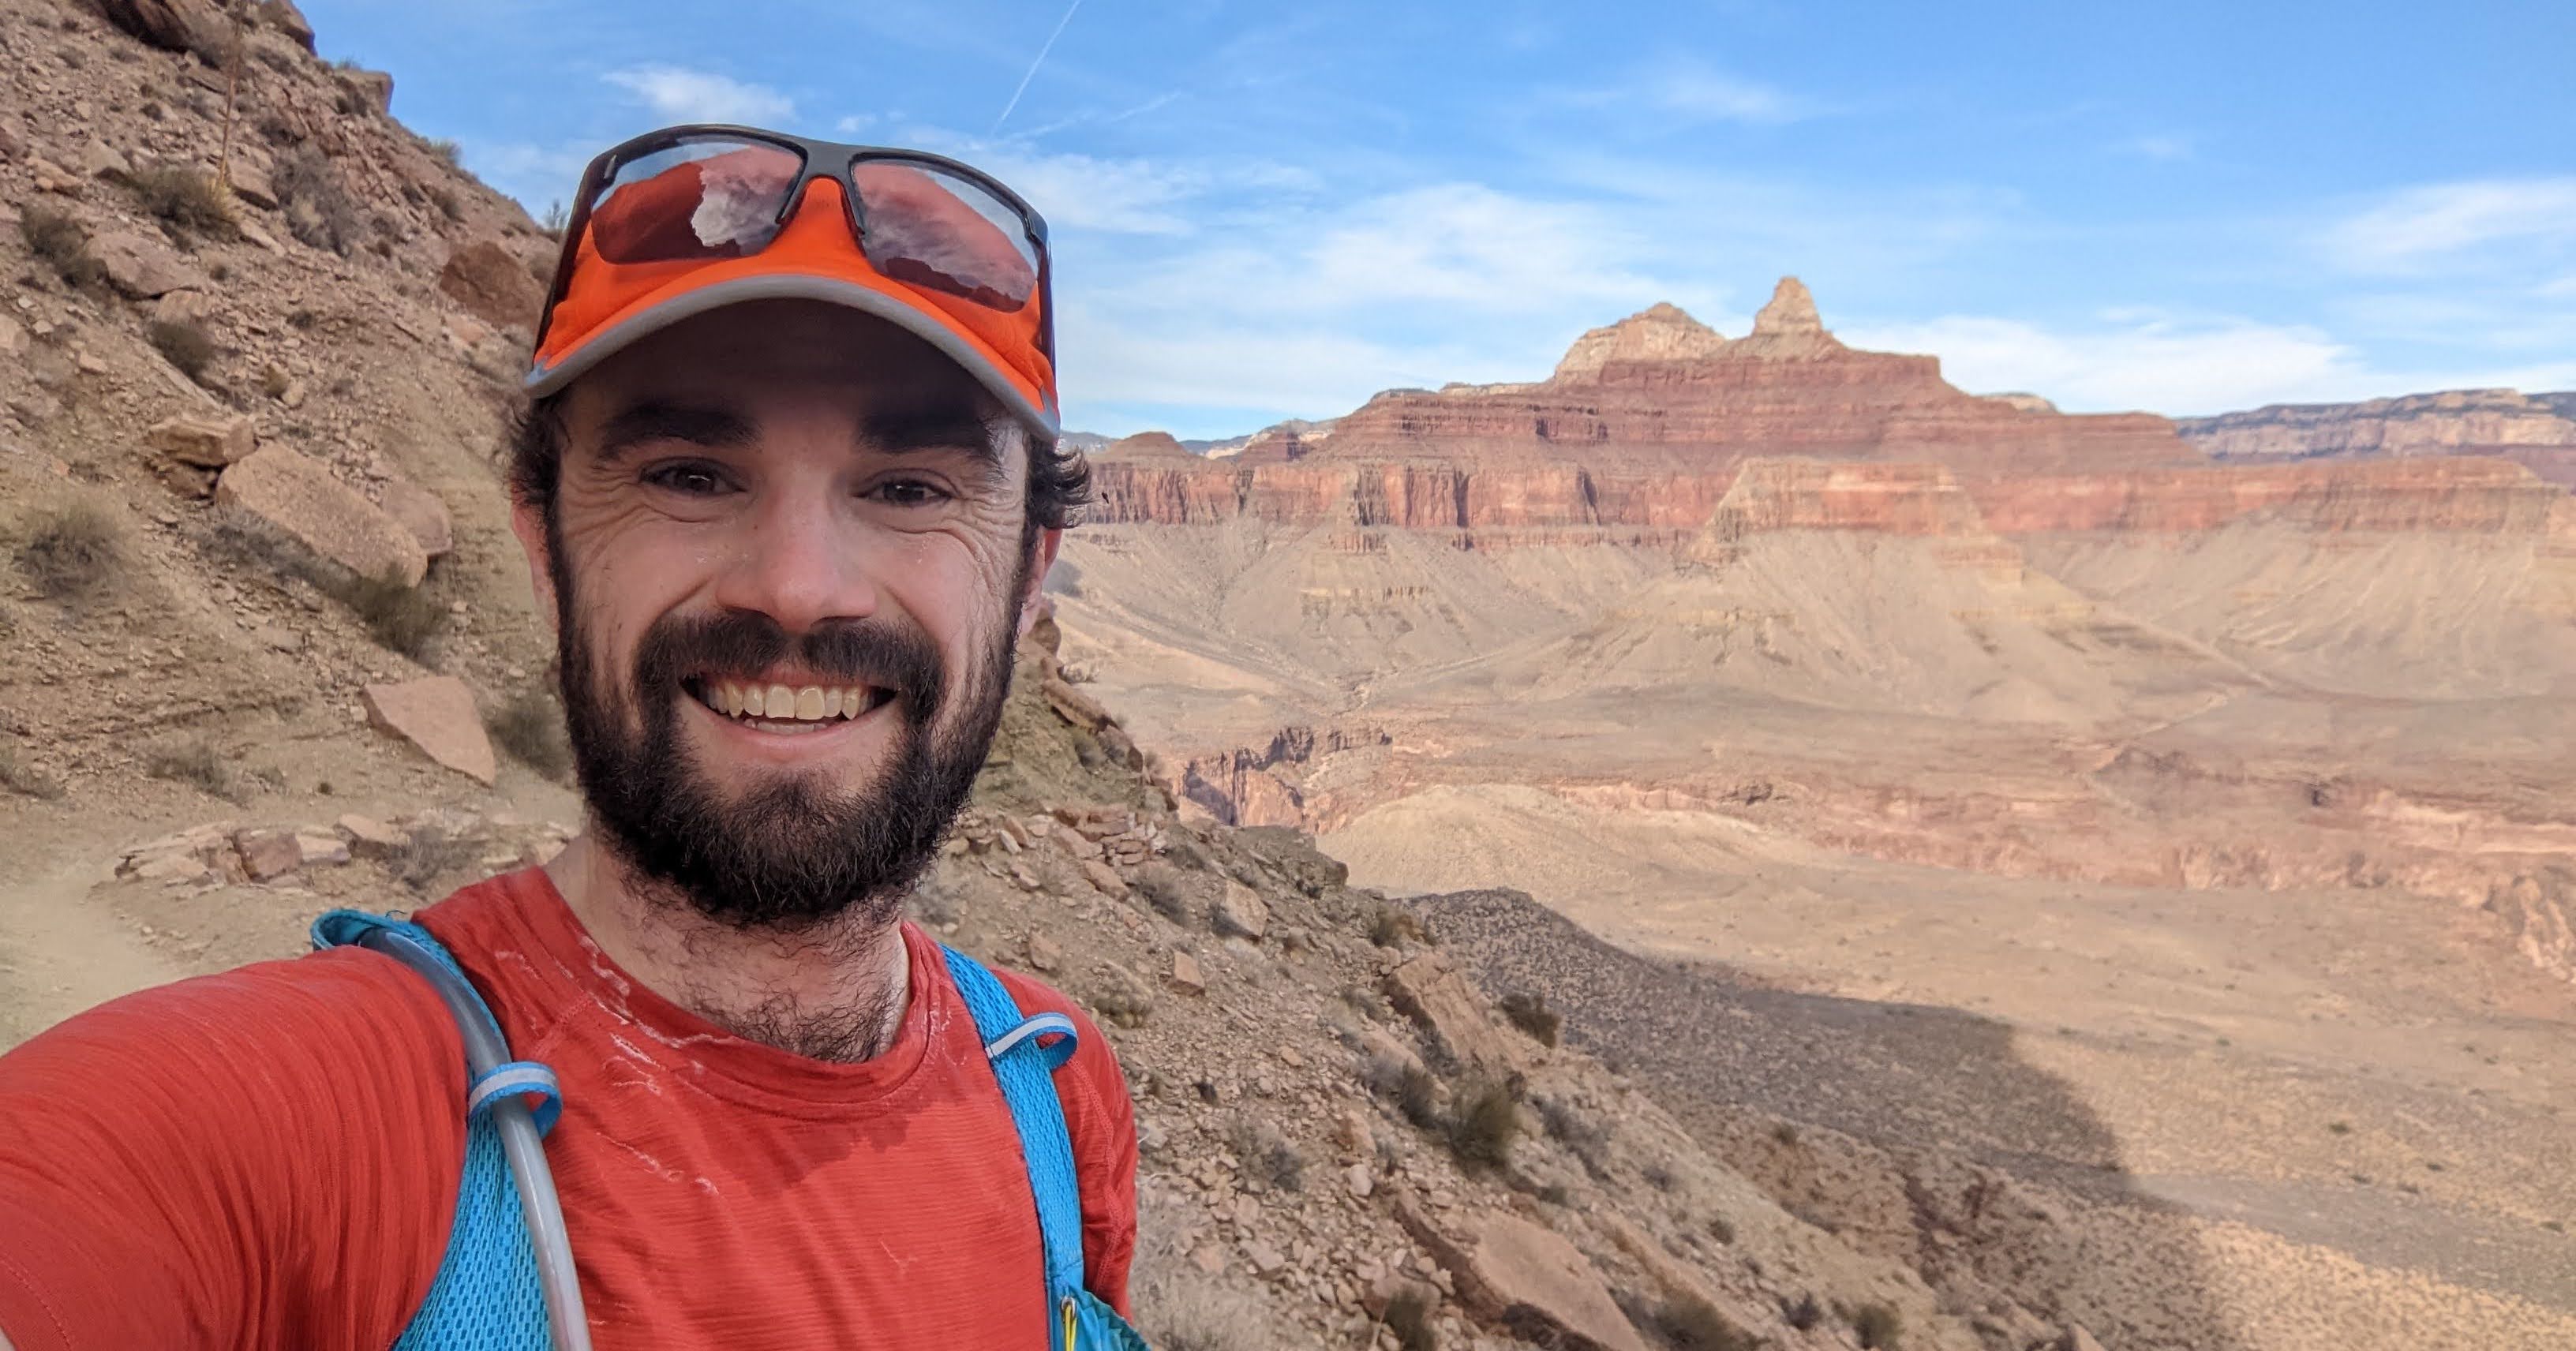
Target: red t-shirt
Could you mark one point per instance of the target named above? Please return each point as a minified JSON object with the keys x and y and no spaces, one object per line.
{"x":269,"y":1158}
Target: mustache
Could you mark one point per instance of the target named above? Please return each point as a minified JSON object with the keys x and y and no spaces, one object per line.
{"x":868,"y":651}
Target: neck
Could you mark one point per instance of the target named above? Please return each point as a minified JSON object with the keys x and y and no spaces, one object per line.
{"x":834,"y":991}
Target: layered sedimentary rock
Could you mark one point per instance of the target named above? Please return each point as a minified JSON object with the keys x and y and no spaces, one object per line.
{"x":2477,"y":496}
{"x":2448,"y":423}
{"x":1640,"y":429}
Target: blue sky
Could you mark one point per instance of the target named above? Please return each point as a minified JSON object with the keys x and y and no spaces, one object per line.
{"x":1267,"y":210}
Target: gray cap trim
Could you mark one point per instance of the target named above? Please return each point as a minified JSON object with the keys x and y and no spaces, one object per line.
{"x":545,"y":380}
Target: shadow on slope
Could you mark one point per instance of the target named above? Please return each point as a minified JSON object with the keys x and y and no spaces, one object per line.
{"x":1935,"y":1107}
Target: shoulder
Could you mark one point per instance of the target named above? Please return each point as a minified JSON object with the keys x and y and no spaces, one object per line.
{"x":1093,"y":1087}
{"x":256,"y":1026}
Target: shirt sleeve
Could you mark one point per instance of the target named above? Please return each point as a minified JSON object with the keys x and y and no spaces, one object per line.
{"x":1102,"y":1121}
{"x":266,"y":1157}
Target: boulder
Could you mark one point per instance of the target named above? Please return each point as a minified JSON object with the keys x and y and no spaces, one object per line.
{"x":1526,"y":1280}
{"x":1186,"y":976}
{"x":314,"y":848}
{"x":371,"y":90}
{"x":11,"y":146}
{"x":492,"y":285}
{"x":267,"y":853}
{"x":183,"y":307}
{"x":172,"y":25}
{"x":302,"y":498}
{"x":13,"y":336}
{"x":435,"y":713}
{"x":251,"y":183}
{"x":1241,"y":913}
{"x":206,"y":440}
{"x":101,"y":160}
{"x":143,"y":267}
{"x":1449,"y":1007}
{"x":372,"y":838}
{"x":283,"y":16}
{"x":1043,"y":954}
{"x":2077,"y":1339}
{"x":422,"y":513}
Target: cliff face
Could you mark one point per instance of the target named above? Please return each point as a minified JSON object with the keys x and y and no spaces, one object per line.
{"x":1642,"y":426}
{"x":2476,"y":496}
{"x":2476,"y":421}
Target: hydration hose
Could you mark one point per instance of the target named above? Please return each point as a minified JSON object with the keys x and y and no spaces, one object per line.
{"x":521,"y":1142}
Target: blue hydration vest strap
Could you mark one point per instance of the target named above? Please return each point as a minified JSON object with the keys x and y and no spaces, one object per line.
{"x":1025,"y":1053}
{"x":487,"y":1295}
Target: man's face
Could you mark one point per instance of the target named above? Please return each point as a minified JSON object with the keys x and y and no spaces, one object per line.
{"x":790,"y":557}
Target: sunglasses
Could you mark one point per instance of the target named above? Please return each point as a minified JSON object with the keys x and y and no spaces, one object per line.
{"x":947,"y":231}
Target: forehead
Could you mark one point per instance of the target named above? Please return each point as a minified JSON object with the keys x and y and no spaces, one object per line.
{"x":780,"y":358}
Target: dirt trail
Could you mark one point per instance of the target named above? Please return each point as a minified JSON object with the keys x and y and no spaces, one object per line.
{"x":62,"y":950}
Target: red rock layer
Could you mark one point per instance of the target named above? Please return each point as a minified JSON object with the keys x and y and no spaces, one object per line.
{"x":2433,"y":493}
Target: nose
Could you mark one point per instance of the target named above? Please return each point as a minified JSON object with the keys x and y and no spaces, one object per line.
{"x":796,"y":558}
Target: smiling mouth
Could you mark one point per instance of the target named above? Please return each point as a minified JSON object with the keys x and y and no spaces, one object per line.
{"x":788,"y":708}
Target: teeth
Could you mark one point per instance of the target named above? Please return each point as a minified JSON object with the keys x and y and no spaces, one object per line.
{"x":813,"y":703}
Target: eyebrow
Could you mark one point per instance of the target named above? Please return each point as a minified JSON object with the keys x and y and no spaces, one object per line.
{"x":910,"y":431}
{"x":644,"y":423}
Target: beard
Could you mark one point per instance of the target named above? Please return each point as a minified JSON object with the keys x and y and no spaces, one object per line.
{"x":796,"y":852}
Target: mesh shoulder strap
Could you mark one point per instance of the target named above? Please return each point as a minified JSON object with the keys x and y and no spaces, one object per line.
{"x":487,"y":1295}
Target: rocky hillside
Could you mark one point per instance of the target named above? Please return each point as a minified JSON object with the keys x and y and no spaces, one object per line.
{"x":269,"y":648}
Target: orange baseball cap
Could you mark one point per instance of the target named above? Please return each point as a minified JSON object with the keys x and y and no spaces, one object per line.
{"x":689,"y":219}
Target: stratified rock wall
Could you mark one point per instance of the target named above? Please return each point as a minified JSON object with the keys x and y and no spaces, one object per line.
{"x":2447,"y":423}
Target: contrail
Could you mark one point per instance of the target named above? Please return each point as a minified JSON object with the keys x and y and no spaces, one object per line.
{"x":1033,"y":67}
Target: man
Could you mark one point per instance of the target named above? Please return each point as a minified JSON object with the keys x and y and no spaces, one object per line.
{"x":789,"y":486}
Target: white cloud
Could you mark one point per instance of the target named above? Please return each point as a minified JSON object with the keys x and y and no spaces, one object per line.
{"x":2424,"y":226}
{"x":536,"y":175}
{"x":678,"y":94}
{"x":1696,"y":91}
{"x":2166,"y":148}
{"x":2158,"y":365}
{"x":854,"y":123}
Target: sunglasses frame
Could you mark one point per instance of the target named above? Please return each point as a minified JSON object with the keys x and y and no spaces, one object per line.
{"x":821,"y":159}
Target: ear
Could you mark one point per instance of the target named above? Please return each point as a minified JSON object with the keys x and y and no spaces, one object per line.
{"x":1048,"y":542}
{"x":528,"y":522}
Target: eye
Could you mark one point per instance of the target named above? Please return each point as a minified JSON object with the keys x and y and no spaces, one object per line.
{"x":908,"y":493}
{"x":689,"y":478}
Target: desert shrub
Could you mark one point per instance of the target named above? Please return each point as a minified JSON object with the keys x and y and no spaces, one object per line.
{"x":195,"y":764}
{"x":1486,"y":1123}
{"x":73,"y":552}
{"x":60,"y":243}
{"x":1123,"y":999}
{"x":1785,"y":1134}
{"x":187,"y":345}
{"x":1586,"y":1137}
{"x":1877,"y":1325}
{"x":1189,"y":1316}
{"x":1722,"y":1229}
{"x":1404,"y":1082}
{"x":1659,"y":1176}
{"x":444,"y":198}
{"x":187,"y":201}
{"x":434,"y":856}
{"x":554,"y":221}
{"x":1696,"y":1325}
{"x":1392,"y":925}
{"x":529,"y":725}
{"x":1164,"y":888}
{"x":274,"y":382}
{"x":1408,"y":1316}
{"x":20,"y":777}
{"x":446,"y":151}
{"x":1529,"y":1012}
{"x":400,"y":617}
{"x":1802,"y":1313}
{"x":1267,"y":1153}
{"x":318,"y":209}
{"x":933,"y":902}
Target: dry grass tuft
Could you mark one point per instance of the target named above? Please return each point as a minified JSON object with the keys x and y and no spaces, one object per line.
{"x":187,"y":345}
{"x":187,"y":201}
{"x":195,"y":764}
{"x":318,"y":209}
{"x":1392,"y":925}
{"x":530,"y":727}
{"x":73,"y":552}
{"x":1878,"y":1326}
{"x":1486,"y":1125}
{"x":1267,"y":1153}
{"x":400,"y":618}
{"x":60,"y":243}
{"x":1405,"y":1083}
{"x":1693,"y":1325}
{"x":1529,"y":1012}
{"x":1586,"y":1137}
{"x":20,"y":777}
{"x":1408,"y":1316}
{"x":435,"y":859}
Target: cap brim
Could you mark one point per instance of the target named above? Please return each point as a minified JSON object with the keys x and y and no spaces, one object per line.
{"x":545,"y":380}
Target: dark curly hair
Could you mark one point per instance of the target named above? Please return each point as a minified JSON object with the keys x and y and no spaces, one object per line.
{"x":1059,"y":484}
